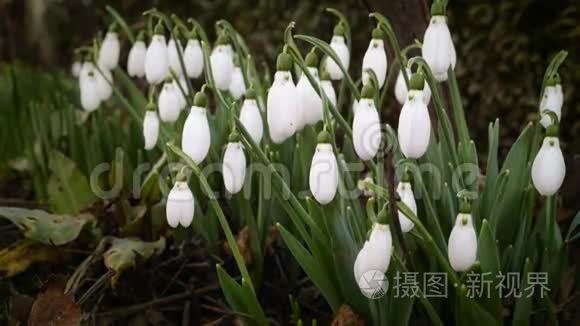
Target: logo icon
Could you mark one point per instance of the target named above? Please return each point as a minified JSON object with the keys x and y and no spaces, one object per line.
{"x":373,"y":284}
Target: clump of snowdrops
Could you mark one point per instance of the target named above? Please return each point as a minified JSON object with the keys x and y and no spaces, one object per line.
{"x":349,"y":193}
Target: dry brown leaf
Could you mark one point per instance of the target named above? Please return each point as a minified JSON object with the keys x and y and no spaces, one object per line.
{"x":347,"y":317}
{"x":54,"y":308}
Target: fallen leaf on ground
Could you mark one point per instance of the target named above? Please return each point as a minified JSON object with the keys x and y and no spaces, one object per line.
{"x":53,"y":307}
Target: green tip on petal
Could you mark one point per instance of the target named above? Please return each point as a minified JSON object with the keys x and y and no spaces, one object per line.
{"x":368,"y":91}
{"x":417,"y":81}
{"x":553,"y":130}
{"x":324,"y":137}
{"x":200,"y":99}
{"x":378,"y":33}
{"x":234,"y":136}
{"x":251,"y":93}
{"x":437,"y":9}
{"x":338,"y":30}
{"x":284,"y":62}
{"x":311,"y":59}
{"x":159,"y":30}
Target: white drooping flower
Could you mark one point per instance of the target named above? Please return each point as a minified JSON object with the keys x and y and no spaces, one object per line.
{"x":414,"y":123}
{"x":251,"y":117}
{"x":222,"y":63}
{"x":327,"y":87}
{"x":401,"y":89}
{"x":375,"y":59}
{"x":196,"y":138}
{"x":156,"y":59}
{"x":237,"y":85}
{"x":338,"y":44}
{"x":109,"y":51}
{"x":193,"y":57}
{"x":136,"y":59}
{"x":549,"y":168}
{"x":373,"y":258}
{"x":438,"y":49}
{"x":104,"y":81}
{"x":366,"y":126}
{"x":323,"y":178}
{"x":173,"y":56}
{"x":89,"y":89}
{"x":169,"y":102}
{"x":150,"y":127}
{"x":76,"y":68}
{"x":462,"y":246}
{"x":405,"y":191}
{"x":182,"y":90}
{"x":234,"y":165}
{"x":180,"y":204}
{"x":310,"y":102}
{"x":283,"y":106}
{"x":553,"y":98}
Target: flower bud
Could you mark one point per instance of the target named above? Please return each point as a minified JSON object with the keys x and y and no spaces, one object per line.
{"x":327,"y":87}
{"x":438,"y":49}
{"x":462,"y":246}
{"x":193,"y":58}
{"x":234,"y":166}
{"x":156,"y":60}
{"x":150,"y":128}
{"x":310,"y":102}
{"x":251,"y":118}
{"x":401,"y":89}
{"x":283,"y":106}
{"x":90,"y":99}
{"x":553,"y":97}
{"x":109,"y":51}
{"x":375,"y":256}
{"x":366,"y":126}
{"x":169,"y":103}
{"x":376,"y":59}
{"x":196,"y":138}
{"x":549,"y":168}
{"x":237,"y":85}
{"x":405,"y":191}
{"x":323,"y":179}
{"x":337,"y":43}
{"x":180,"y":205}
{"x":222,"y":63}
{"x":173,"y":56}
{"x":414,"y":124}
{"x":136,"y":60}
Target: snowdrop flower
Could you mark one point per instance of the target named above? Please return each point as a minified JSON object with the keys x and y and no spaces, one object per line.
{"x":169,"y":102}
{"x":76,"y":67}
{"x":193,"y":56}
{"x":150,"y":126}
{"x":366,"y":128}
{"x":251,"y":118}
{"x":156,"y":58}
{"x":401,"y":89}
{"x":375,"y":58}
{"x":327,"y":87}
{"x":110,"y":49}
{"x":405,"y":191}
{"x":462,"y":245}
{"x":237,"y":85}
{"x":323,"y":179}
{"x":182,"y":90}
{"x":173,"y":54}
{"x":283,"y":107}
{"x":310,"y":102}
{"x":234,"y":164}
{"x":104,"y":81}
{"x":136,"y":60}
{"x":414,"y":123}
{"x":438,"y":49}
{"x":180,"y":203}
{"x":374,"y":257}
{"x":196,"y":138}
{"x":90,"y":99}
{"x":222,"y":63}
{"x":337,"y":43}
{"x":553,"y":97}
{"x":549,"y":168}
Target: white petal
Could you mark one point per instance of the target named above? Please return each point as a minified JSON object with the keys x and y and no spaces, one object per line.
{"x":366,"y":130}
{"x":405,"y":191}
{"x":222,"y":67}
{"x":173,"y":56}
{"x":150,"y":129}
{"x":169,"y":103}
{"x":438,"y":49}
{"x":109,"y":51}
{"x":156,"y":61}
{"x":193,"y":59}
{"x":136,"y":60}
{"x":252,"y":119}
{"x":414,"y":126}
{"x":339,"y":46}
{"x":462,"y":246}
{"x":283,"y":107}
{"x":553,"y":100}
{"x":90,"y":99}
{"x":549,"y":168}
{"x":180,"y":205}
{"x":104,"y":80}
{"x":310,"y":102}
{"x":323,"y":179}
{"x":329,"y":91}
{"x":237,"y":85}
{"x":196,"y":138}
{"x":234,"y":167}
{"x":76,"y":69}
{"x":376,"y":59}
